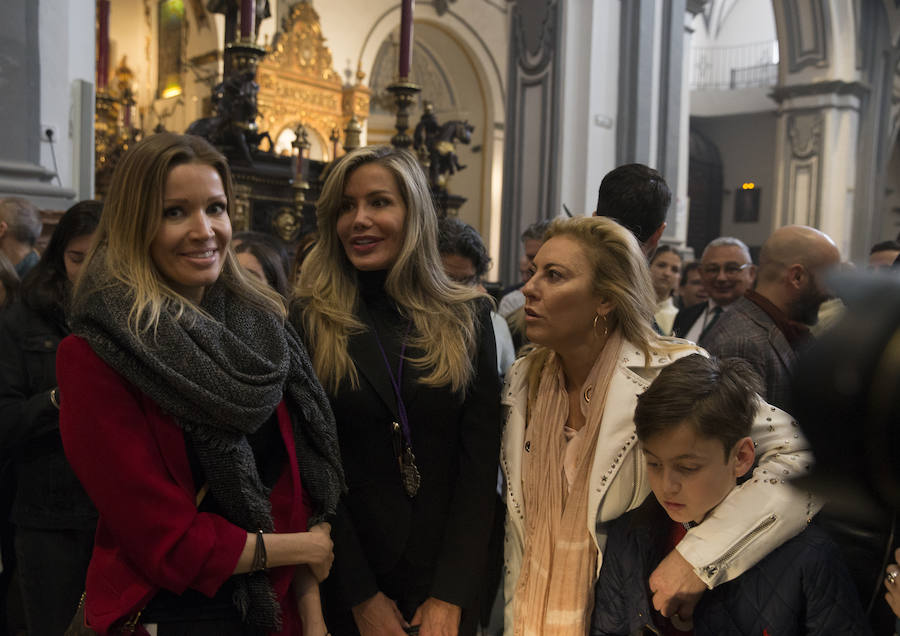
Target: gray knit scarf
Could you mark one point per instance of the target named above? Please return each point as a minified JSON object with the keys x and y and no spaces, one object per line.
{"x":222,"y":376}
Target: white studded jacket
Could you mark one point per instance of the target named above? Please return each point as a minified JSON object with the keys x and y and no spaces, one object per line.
{"x":754,"y":519}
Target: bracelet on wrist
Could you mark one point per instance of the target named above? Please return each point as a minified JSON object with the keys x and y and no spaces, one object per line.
{"x":259,"y":554}
{"x":54,"y":397}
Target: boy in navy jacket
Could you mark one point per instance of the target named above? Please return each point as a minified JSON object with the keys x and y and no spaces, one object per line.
{"x":693,"y":424}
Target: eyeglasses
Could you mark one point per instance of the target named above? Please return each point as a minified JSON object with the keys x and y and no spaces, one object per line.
{"x":731,"y":269}
{"x":467,"y":281}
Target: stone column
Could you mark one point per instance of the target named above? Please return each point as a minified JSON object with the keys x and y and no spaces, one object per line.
{"x":834,"y":112}
{"x":531,"y":156}
{"x":20,"y":108}
{"x":48,"y":52}
{"x":817,"y":137}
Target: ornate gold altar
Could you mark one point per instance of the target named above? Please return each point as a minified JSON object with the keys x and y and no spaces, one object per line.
{"x":298,"y":85}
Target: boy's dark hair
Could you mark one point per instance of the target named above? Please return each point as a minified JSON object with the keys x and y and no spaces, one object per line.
{"x":456,"y":237}
{"x":637,"y":197}
{"x":687,"y":269}
{"x":715,"y":397}
{"x":885,"y":246}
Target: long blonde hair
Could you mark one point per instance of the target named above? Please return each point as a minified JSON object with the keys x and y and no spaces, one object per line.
{"x":620,"y":275}
{"x":443,"y":312}
{"x":132,"y":215}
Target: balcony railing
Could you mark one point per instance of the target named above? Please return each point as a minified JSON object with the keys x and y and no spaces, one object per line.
{"x":731,"y":67}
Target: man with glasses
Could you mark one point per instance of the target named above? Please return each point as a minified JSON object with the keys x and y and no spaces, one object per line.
{"x":728,"y":272}
{"x":770,"y":325}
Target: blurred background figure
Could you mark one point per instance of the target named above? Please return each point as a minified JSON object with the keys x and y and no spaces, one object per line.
{"x":9,"y":282}
{"x":691,"y":291}
{"x":264,"y":258}
{"x":883,"y":255}
{"x":304,"y":247}
{"x":665,"y":269}
{"x":847,"y":399}
{"x":512,"y":298}
{"x":53,"y":518}
{"x":20,"y":228}
{"x":465,"y":261}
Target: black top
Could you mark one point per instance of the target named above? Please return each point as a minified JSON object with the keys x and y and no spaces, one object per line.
{"x":48,"y":495}
{"x":165,"y":607}
{"x":433,"y":544}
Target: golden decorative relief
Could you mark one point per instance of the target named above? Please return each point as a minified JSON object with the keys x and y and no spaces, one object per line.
{"x":240,"y":220}
{"x":287,"y":224}
{"x":297,"y":83}
{"x":300,"y":49}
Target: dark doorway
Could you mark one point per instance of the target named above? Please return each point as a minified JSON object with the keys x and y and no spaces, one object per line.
{"x":704,"y":191}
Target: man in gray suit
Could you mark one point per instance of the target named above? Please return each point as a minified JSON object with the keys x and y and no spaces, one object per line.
{"x":768,"y":325}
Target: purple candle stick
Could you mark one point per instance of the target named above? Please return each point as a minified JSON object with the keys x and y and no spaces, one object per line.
{"x":248,"y":18}
{"x":102,"y":43}
{"x":406,"y":38}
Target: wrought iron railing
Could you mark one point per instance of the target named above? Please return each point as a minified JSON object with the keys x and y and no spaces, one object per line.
{"x":731,"y":67}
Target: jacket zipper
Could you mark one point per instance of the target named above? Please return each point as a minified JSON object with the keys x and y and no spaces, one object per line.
{"x":711,"y":569}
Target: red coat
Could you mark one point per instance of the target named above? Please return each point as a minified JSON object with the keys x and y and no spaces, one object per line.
{"x":131,"y":459}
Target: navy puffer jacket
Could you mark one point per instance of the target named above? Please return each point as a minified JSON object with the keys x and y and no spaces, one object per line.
{"x":802,"y":587}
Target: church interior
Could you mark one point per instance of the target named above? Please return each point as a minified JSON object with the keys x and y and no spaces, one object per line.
{"x":757,"y":113}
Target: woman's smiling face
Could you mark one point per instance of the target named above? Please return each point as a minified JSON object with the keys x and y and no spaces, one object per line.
{"x":189,"y":246}
{"x":371,"y":224}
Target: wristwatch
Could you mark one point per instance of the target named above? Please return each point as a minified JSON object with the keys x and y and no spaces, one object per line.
{"x":54,"y":396}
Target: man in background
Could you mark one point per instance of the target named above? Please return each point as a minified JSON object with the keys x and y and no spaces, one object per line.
{"x":691,"y":291}
{"x":637,"y":197}
{"x":728,"y":272}
{"x":20,"y":228}
{"x":532,"y":239}
{"x":768,"y":326}
{"x":883,"y":255}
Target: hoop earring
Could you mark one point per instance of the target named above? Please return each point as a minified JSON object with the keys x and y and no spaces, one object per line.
{"x":605,"y":325}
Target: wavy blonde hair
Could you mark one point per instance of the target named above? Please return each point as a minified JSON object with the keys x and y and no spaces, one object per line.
{"x":621,"y":276}
{"x":132,"y":215}
{"x":443,"y":312}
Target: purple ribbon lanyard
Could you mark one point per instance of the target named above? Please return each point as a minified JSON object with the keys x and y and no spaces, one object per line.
{"x":396,"y":381}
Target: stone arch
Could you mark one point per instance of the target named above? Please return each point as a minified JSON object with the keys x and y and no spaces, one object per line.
{"x":488,"y":68}
{"x":474,"y":93}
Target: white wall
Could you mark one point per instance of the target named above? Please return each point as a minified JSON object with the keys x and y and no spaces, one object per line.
{"x":66,"y":54}
{"x":589,"y":101}
{"x":734,"y":23}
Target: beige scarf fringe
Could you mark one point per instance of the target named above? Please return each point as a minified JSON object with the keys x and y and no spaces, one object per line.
{"x":555,"y":591}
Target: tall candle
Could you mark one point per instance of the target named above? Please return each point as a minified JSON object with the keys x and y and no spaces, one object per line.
{"x":248,"y":18}
{"x":406,"y":37}
{"x":102,"y":43}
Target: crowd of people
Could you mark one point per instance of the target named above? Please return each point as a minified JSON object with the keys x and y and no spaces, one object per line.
{"x":204,"y":434}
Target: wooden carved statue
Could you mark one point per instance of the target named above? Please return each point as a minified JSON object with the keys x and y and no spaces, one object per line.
{"x":436,"y":145}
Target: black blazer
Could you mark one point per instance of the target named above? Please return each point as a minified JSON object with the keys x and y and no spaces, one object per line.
{"x":48,"y":495}
{"x":434,"y":544}
{"x":686,"y":319}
